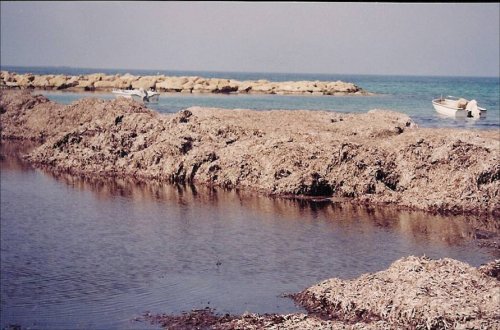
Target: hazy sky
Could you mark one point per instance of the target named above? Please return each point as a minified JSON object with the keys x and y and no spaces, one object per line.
{"x":346,"y":38}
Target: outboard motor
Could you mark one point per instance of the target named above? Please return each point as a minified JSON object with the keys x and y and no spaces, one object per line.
{"x":144,"y":95}
{"x":473,"y":110}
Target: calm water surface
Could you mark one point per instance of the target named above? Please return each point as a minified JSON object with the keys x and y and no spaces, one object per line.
{"x":95,"y":255}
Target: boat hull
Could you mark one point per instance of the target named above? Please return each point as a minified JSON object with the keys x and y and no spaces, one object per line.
{"x":153,"y":97}
{"x":448,"y":111}
{"x":448,"y":108}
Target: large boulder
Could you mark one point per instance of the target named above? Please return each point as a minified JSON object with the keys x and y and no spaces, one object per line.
{"x":264,"y":88}
{"x":87,"y":85}
{"x":95,"y":77}
{"x":340,"y":87}
{"x":288,"y":87}
{"x":226,"y":86}
{"x":125,"y":81}
{"x":145,"y":83}
{"x":41,"y":82}
{"x":188,"y":86}
{"x":172,"y":84}
{"x":58,"y":82}
{"x":203,"y":86}
{"x":25,"y":80}
{"x":104,"y":84}
{"x":245,"y":86}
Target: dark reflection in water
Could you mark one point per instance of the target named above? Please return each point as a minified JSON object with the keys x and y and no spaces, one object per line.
{"x":96,"y":253}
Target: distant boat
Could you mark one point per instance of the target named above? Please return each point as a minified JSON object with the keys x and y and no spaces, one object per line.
{"x":458,"y":107}
{"x":138,"y":94}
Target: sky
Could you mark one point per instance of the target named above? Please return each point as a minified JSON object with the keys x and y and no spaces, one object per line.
{"x":450,"y":39}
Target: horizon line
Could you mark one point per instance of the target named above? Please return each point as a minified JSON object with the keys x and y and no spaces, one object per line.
{"x":250,"y":72}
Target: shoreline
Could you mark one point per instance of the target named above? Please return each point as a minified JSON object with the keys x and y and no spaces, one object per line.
{"x":478,"y":229}
{"x":414,"y":292}
{"x":376,"y":158}
{"x":173,"y":84}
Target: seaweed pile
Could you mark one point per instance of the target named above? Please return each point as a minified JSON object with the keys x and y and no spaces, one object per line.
{"x":374,"y":158}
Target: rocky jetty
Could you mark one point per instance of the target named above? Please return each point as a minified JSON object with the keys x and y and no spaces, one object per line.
{"x":161,"y":83}
{"x":375,"y":158}
{"x":413,"y":293}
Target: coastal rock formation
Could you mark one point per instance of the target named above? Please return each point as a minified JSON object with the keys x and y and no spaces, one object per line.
{"x":413,"y":293}
{"x":161,"y":83}
{"x":378,"y":158}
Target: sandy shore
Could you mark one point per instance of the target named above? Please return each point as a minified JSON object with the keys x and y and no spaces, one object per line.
{"x":376,"y":158}
{"x":161,"y":83}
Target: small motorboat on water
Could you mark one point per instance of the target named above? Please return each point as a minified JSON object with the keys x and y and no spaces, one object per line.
{"x":138,"y":94}
{"x":458,"y":107}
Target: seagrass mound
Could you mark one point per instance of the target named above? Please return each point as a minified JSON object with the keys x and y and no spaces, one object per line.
{"x":491,"y":269}
{"x":413,"y":293}
{"x":376,"y":158}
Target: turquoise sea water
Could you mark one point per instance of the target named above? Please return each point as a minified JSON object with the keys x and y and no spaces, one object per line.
{"x":408,"y":94}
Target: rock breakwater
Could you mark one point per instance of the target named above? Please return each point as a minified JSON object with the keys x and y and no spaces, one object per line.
{"x":187,"y":84}
{"x":378,"y":158}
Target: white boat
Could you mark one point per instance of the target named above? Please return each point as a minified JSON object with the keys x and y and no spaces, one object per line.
{"x":138,"y":94}
{"x":458,"y":107}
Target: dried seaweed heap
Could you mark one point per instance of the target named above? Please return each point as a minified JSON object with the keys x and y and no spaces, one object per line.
{"x":413,"y":293}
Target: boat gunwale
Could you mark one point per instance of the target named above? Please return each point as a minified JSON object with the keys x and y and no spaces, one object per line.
{"x":435,"y":102}
{"x":445,"y":106}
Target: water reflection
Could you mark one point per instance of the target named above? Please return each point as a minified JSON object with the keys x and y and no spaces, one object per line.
{"x":413,"y":225}
{"x":11,"y":153}
{"x":98,"y":252}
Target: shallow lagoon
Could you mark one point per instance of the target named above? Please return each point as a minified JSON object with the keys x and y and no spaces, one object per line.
{"x":96,"y":254}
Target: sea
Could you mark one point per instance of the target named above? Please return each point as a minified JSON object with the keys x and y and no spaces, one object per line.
{"x":100,"y":254}
{"x":408,"y":94}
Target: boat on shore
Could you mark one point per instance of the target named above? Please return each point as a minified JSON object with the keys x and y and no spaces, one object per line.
{"x":458,"y":107}
{"x":140,"y":95}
